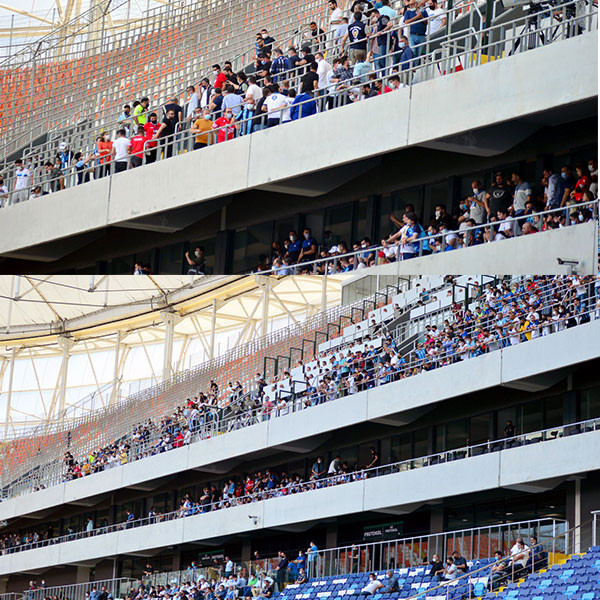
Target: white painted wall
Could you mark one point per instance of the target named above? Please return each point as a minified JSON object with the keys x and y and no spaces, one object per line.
{"x":526,"y":255}
{"x":263,"y":157}
{"x":399,"y":491}
{"x":562,"y":349}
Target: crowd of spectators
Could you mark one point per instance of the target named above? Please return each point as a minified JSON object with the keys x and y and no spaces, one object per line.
{"x":370,"y":50}
{"x":511,"y":207}
{"x":506,"y":314}
{"x":260,"y":578}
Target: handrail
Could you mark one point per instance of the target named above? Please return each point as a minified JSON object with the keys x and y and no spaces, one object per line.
{"x":418,"y":69}
{"x":549,"y":434}
{"x":298,"y":397}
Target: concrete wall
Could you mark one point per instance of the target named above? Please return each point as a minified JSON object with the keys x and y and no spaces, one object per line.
{"x":398,"y":492}
{"x":326,"y":140}
{"x":389,"y":403}
{"x":527,"y":255}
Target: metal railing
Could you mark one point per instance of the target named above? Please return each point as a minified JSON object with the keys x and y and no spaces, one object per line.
{"x":118,"y":588}
{"x":457,"y":51}
{"x":437,"y":458}
{"x":472,"y":543}
{"x":101,"y":429}
{"x":300,"y":395}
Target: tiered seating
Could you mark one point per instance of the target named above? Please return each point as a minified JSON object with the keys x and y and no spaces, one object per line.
{"x":576,"y":578}
{"x":412,"y":581}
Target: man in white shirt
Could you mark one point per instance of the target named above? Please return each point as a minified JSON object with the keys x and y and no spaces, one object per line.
{"x":193,"y":103}
{"x":335,"y":21}
{"x":273,"y":105}
{"x":323,"y":68}
{"x":22,"y":180}
{"x":436,"y":18}
{"x":120,"y":152}
{"x":253,"y":91}
{"x":3,"y":192}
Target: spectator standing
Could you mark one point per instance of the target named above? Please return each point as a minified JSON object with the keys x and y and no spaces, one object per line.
{"x":522,"y":194}
{"x":436,"y":19}
{"x":272,"y":105}
{"x":139,"y":112}
{"x":202,"y":127}
{"x":137,"y":147}
{"x":309,"y":247}
{"x":416,"y":18}
{"x":356,"y":36}
{"x":220,"y":77}
{"x":310,"y":81}
{"x":232,"y":101}
{"x":335,"y":22}
{"x":555,"y":188}
{"x":303,"y":106}
{"x":583,"y":183}
{"x":476,"y":203}
{"x":151,"y":128}
{"x":104,"y":145}
{"x":120,"y":152}
{"x":225,"y":126}
{"x":192,"y":104}
{"x":125,"y":119}
{"x":499,"y":197}
{"x":166,"y":132}
{"x":279,"y":63}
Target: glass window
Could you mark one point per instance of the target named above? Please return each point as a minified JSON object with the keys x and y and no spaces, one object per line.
{"x":480,"y":429}
{"x":590,"y":403}
{"x":553,"y":412}
{"x":251,"y":246}
{"x":505,"y":415}
{"x":457,"y":434}
{"x":361,"y":221}
{"x":338,"y":220}
{"x":435,"y":193}
{"x":120,"y":266}
{"x":420,"y":443}
{"x":395,"y":203}
{"x":401,"y":447}
{"x":171,"y":260}
{"x":531,"y":416}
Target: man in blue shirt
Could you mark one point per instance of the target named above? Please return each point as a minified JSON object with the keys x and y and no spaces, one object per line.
{"x":309,"y":247}
{"x":357,"y":35}
{"x":404,"y":57}
{"x":416,"y":18}
{"x":293,"y":251}
{"x":309,"y":106}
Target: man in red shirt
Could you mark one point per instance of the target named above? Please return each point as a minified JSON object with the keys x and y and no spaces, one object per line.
{"x":137,"y":147}
{"x":150,"y":128}
{"x":220,"y":77}
{"x":225,"y":133}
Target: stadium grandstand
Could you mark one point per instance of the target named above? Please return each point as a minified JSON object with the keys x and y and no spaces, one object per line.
{"x":427,"y":437}
{"x":233,"y":127}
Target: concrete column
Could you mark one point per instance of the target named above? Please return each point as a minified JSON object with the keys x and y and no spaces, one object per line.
{"x":83,"y":574}
{"x":246,"y":551}
{"x":65,"y":344}
{"x":169,"y":321}
{"x":11,"y":370}
{"x":114,"y":395}
{"x":176,"y":560}
{"x":331,"y":536}
{"x":213,"y":326}
{"x":436,"y":525}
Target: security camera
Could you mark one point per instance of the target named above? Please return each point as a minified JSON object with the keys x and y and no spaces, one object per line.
{"x":254,"y":518}
{"x":567,"y":261}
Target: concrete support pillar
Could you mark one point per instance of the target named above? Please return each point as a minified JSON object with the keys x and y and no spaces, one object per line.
{"x":213,"y":326}
{"x":176,"y":560}
{"x":169,"y":320}
{"x":65,"y":344}
{"x":331,"y":539}
{"x":246,"y":551}
{"x":114,"y":394}
{"x":11,"y":370}
{"x":83,"y":575}
{"x":436,"y":525}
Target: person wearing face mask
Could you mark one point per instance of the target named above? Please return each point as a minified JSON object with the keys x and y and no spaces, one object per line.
{"x":202,"y":127}
{"x":405,"y":58}
{"x":309,"y":247}
{"x":104,"y":151}
{"x":569,"y":181}
{"x":225,"y":126}
{"x":293,"y":249}
{"x":197,"y":263}
{"x":554,"y":188}
{"x":246,"y":118}
{"x":436,"y":18}
{"x":205,"y":92}
{"x":583,"y":182}
{"x":476,"y":204}
{"x":442,"y":219}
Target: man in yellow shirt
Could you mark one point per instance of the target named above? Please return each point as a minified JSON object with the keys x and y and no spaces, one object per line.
{"x":203,"y":128}
{"x":140,"y":111}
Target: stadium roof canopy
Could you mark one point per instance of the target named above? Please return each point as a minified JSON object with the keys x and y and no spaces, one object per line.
{"x":35,"y":311}
{"x":73,"y":344}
